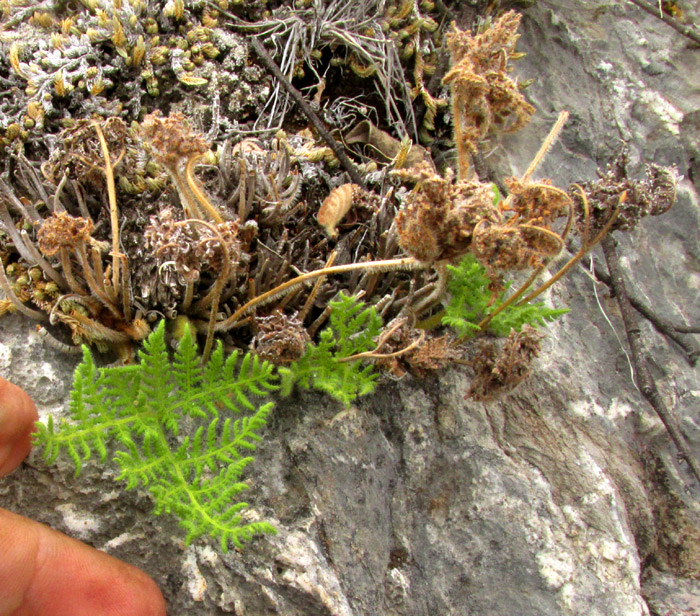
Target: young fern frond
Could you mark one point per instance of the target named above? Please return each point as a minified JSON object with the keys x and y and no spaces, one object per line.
{"x":139,"y":410}
{"x":471,"y":301}
{"x":353,"y":329}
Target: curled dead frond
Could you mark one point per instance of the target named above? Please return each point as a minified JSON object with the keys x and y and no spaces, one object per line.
{"x":63,"y":231}
{"x":439,"y":217}
{"x":80,"y":155}
{"x":335,"y":206}
{"x":279,"y":338}
{"x":650,"y":196}
{"x":484,"y":96}
{"x":178,"y":148}
{"x":190,"y":249}
{"x":266,"y":185}
{"x":500,"y":366}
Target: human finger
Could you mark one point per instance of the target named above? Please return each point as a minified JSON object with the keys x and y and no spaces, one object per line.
{"x":44,"y":572}
{"x":17,"y":417}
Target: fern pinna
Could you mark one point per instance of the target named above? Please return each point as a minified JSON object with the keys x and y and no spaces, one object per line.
{"x":329,"y":365}
{"x":140,"y":407}
{"x":471,"y":300}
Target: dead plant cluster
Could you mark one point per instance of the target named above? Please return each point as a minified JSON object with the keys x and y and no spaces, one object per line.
{"x":124,"y":225}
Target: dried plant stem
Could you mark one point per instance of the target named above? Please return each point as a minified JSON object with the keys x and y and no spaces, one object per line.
{"x":68,"y":273}
{"x":313,"y":118}
{"x":317,"y":287}
{"x":511,"y":300}
{"x":113,"y":211}
{"x":48,"y":337}
{"x":189,"y":294}
{"x":439,"y":288}
{"x":41,"y":261}
{"x":407,"y":263}
{"x":462,"y":153}
{"x":197,"y":191}
{"x":546,"y":144}
{"x":96,"y":288}
{"x":686,"y":31}
{"x":9,"y":225}
{"x":644,"y":379}
{"x":212,"y":298}
{"x":375,"y":354}
{"x":585,"y":247}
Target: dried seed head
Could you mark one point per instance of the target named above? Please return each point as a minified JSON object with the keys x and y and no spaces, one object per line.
{"x":335,"y":206}
{"x":62,"y":231}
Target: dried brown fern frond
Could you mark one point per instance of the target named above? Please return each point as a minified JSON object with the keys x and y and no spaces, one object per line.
{"x":650,"y":196}
{"x":499,"y":368}
{"x":439,"y":217}
{"x":484,"y":96}
{"x":178,"y":148}
{"x":80,"y":156}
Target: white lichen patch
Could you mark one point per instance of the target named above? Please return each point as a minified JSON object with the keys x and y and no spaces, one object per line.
{"x":5,"y":357}
{"x":555,"y":567}
{"x":207,"y":555}
{"x":80,"y":524}
{"x":306,"y":570}
{"x":120,"y":540}
{"x":196,"y":583}
{"x":588,"y":408}
{"x":670,"y":116}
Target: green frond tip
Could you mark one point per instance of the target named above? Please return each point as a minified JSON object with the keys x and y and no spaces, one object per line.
{"x":136,"y":413}
{"x":471,"y":300}
{"x":353,"y":328}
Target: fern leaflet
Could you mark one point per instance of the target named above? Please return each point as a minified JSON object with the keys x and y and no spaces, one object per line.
{"x":471,"y":300}
{"x":139,"y":408}
{"x":353,"y":328}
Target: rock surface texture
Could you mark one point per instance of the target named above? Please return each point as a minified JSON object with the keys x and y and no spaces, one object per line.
{"x":564,"y":497}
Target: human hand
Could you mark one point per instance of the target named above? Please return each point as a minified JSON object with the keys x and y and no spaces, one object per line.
{"x":45,"y":573}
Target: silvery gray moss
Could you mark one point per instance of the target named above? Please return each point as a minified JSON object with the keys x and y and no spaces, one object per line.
{"x":135,"y":232}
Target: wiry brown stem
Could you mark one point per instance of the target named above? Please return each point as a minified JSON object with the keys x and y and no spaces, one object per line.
{"x":212,"y":298}
{"x":67,"y":268}
{"x":406,"y":263}
{"x":375,"y":354}
{"x":97,"y":289}
{"x":199,"y":195}
{"x":585,"y":247}
{"x":314,"y":119}
{"x":317,"y":287}
{"x":546,"y":144}
{"x":113,"y":211}
{"x":644,"y":379}
{"x":683,"y":29}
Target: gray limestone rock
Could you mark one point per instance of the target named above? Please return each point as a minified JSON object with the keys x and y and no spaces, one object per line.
{"x":549,"y":501}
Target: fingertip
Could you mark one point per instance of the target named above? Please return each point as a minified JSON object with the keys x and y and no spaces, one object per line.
{"x":18,"y":415}
{"x":45,"y":572}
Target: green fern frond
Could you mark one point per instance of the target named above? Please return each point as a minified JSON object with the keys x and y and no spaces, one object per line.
{"x":353,"y":328}
{"x":471,"y":300}
{"x":140,"y":408}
